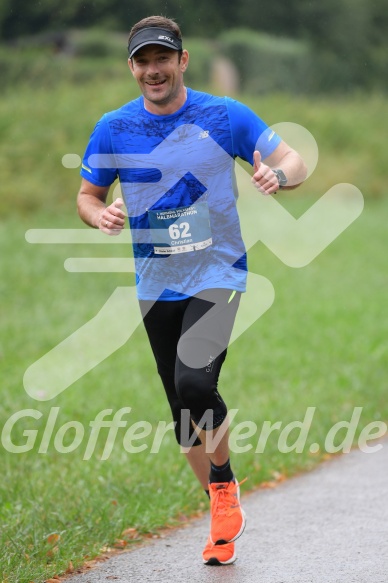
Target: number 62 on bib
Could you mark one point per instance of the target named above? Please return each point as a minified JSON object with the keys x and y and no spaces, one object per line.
{"x":180,"y":230}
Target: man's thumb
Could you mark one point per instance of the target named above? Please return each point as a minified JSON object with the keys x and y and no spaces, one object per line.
{"x":256,"y":160}
{"x":118,"y":202}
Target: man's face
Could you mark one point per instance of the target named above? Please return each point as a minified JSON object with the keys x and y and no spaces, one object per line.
{"x":159,"y":72}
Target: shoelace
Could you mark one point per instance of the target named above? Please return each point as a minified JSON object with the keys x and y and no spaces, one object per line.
{"x":222,"y":503}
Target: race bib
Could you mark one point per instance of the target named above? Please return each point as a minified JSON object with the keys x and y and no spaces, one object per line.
{"x":180,"y":230}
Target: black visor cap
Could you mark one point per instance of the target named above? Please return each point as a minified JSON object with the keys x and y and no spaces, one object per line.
{"x":154,"y":36}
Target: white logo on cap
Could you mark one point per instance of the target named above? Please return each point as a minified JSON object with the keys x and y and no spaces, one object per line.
{"x":161,"y":37}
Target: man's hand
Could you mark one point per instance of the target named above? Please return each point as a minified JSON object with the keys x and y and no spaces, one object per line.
{"x":112,"y":218}
{"x":264,"y":179}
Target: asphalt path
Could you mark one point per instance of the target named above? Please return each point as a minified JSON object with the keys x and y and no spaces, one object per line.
{"x":326,"y":526}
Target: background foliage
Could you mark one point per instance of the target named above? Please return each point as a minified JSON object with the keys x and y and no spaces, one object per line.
{"x":336,"y":45}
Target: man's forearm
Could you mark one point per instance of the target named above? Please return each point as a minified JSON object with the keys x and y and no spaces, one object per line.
{"x":294,"y":168}
{"x":90,"y":209}
{"x":91,"y":202}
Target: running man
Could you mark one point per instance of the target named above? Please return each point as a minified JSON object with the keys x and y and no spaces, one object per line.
{"x":173,"y":150}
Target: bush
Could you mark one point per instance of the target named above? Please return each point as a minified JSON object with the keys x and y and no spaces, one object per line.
{"x":44,"y":69}
{"x":96,"y":43}
{"x":267,"y":63}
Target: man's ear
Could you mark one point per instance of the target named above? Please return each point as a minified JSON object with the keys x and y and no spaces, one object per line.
{"x":130,"y":65}
{"x":184,"y":62}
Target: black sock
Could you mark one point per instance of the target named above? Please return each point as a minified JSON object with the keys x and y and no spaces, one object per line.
{"x":221,"y":473}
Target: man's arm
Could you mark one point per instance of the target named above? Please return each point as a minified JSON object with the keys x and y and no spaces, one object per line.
{"x":93,"y":211}
{"x":282,"y":158}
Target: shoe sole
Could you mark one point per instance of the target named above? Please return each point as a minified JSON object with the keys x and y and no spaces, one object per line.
{"x":214,"y":562}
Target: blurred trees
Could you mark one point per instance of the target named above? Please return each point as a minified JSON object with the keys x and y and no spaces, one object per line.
{"x":331,"y":21}
{"x":347,"y":39}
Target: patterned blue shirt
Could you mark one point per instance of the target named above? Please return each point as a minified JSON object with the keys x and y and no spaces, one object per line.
{"x":178,"y":182}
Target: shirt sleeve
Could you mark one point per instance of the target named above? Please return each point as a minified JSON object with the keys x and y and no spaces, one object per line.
{"x":250,"y":132}
{"x":98,"y":161}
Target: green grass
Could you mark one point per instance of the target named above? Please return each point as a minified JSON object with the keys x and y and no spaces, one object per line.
{"x":322,"y":344}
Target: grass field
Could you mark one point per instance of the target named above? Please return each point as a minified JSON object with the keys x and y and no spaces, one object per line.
{"x":322,"y":344}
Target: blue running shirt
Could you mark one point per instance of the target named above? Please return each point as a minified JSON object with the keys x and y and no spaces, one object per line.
{"x":177,"y":178}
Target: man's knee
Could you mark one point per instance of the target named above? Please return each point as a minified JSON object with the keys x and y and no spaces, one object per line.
{"x":200,"y":396}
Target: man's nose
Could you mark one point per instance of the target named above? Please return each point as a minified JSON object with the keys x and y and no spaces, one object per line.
{"x":153,"y":68}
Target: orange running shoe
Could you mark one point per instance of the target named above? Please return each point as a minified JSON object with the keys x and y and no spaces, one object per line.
{"x":227,"y":516}
{"x":218,"y":554}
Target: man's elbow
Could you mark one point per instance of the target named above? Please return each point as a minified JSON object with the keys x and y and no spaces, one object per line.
{"x":82,"y":206}
{"x":300,"y":171}
{"x":79,"y":203}
{"x":304,"y":169}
